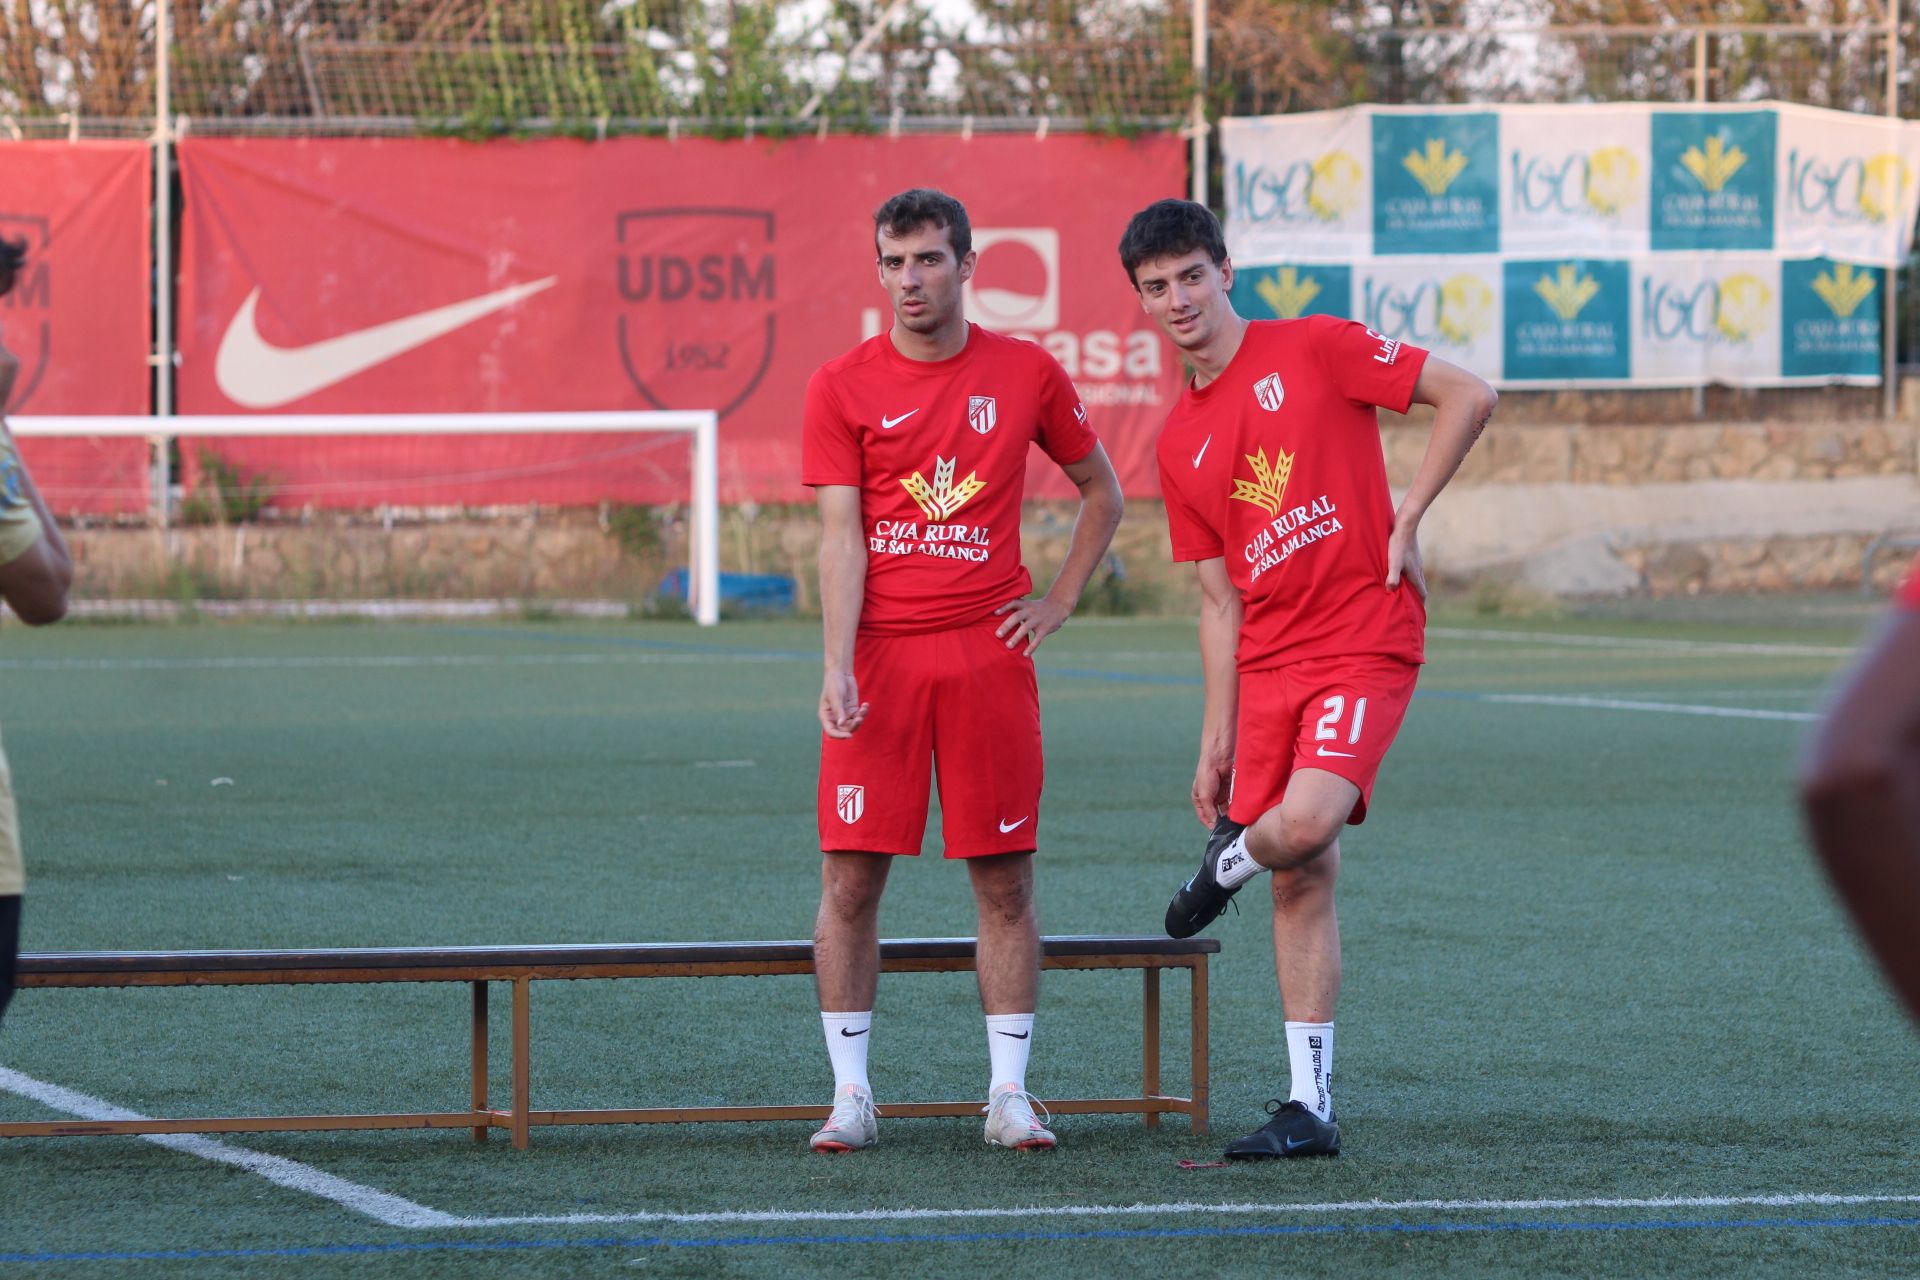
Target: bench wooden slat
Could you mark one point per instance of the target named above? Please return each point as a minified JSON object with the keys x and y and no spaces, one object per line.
{"x":78,"y":963}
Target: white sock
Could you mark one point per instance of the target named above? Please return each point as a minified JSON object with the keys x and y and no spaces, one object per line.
{"x":847,"y":1037}
{"x":1310,"y":1054}
{"x":1009,"y":1039}
{"x":1236,"y":866}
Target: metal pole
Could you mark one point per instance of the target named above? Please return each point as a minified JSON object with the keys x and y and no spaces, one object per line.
{"x":1890,"y":305}
{"x":704,"y":588}
{"x":162,"y":246}
{"x":1700,"y":95}
{"x":1197,"y":123}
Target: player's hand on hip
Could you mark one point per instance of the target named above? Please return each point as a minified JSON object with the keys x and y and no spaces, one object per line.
{"x":841,"y":711}
{"x":1212,"y":784}
{"x":1403,"y":561}
{"x":1030,"y":622}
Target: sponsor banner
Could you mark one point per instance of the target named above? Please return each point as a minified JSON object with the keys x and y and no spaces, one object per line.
{"x":78,"y":318}
{"x":1299,"y":186}
{"x":1831,"y":320}
{"x":1613,"y":180}
{"x":1451,"y":306}
{"x":335,"y":276}
{"x":1289,"y":291}
{"x":1572,"y":176}
{"x":1707,"y":320}
{"x":1567,"y":320}
{"x":1713,"y":181}
{"x":1848,"y":186}
{"x":1436,"y":183}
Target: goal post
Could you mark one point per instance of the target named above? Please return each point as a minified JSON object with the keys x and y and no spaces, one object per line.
{"x":702,"y":425}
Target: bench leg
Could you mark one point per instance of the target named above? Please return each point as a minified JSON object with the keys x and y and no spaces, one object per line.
{"x":1199,"y":1058}
{"x":1150,"y":1039}
{"x":480,"y":1131}
{"x":522,"y":1062}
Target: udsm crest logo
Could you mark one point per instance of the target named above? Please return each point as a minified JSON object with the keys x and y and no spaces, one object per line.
{"x":697,"y":291}
{"x":26,"y":314}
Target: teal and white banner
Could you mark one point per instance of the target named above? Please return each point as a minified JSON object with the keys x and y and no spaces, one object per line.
{"x":1615,"y":180}
{"x":1656,"y":320}
{"x":1735,"y":244}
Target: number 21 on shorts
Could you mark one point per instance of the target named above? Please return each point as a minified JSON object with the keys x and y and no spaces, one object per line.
{"x":1327,"y":727}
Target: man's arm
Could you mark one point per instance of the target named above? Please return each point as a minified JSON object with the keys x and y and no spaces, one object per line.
{"x":1860,"y":793}
{"x":1093,"y":526}
{"x":843,"y":586}
{"x":1462,"y":404}
{"x":1219,"y":641}
{"x":34,"y":581}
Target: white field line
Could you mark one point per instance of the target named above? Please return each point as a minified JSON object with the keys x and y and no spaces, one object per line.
{"x":1668,"y":708}
{"x":1704,"y":648}
{"x":1188,"y":1208}
{"x":370,"y":660}
{"x":291,"y":1174}
{"x":394,"y":1211}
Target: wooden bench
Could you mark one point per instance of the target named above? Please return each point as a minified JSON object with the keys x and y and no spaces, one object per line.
{"x":523,"y":966}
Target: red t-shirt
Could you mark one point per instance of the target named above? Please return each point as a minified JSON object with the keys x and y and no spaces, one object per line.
{"x":1276,"y":465}
{"x":1910,"y":594}
{"x":939,"y":451}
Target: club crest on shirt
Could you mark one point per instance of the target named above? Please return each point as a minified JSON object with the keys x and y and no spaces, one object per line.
{"x":1268,"y":488}
{"x":981,"y":413}
{"x":850,"y":803}
{"x":1269,"y":392}
{"x":940,"y":499}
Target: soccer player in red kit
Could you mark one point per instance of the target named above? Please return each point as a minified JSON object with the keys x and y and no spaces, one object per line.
{"x":1313,"y":613}
{"x":1860,"y":791}
{"x":916,"y":444}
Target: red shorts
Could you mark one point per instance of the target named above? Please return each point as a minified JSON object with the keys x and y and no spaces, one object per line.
{"x":957,"y":701}
{"x":1336,"y":714}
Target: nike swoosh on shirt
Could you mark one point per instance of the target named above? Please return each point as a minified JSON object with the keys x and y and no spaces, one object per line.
{"x":1202,"y":453}
{"x":1013,"y":826}
{"x":252,"y":372}
{"x":1351,"y":755}
{"x":888,"y":424}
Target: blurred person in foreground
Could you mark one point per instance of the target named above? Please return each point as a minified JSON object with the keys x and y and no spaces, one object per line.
{"x":1860,"y":792}
{"x":36,"y":569}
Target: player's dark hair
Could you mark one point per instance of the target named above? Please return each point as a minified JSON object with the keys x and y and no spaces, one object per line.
{"x":1168,"y":229}
{"x":911,"y":210}
{"x":13,"y":256}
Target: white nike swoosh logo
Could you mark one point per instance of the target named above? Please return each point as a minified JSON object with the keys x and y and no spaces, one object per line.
{"x":1351,"y":755}
{"x":888,"y":424}
{"x":1014,"y":826}
{"x":252,"y":372}
{"x":1202,"y":453}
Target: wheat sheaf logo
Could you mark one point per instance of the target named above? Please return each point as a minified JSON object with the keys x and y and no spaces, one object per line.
{"x":1436,"y":169}
{"x":1843,"y":289}
{"x":1567,"y":294}
{"x":943,"y":497}
{"x":1715,"y":166}
{"x":1269,"y":484}
{"x":1288,"y":293}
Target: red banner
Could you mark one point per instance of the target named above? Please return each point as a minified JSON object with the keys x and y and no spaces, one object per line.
{"x":78,"y":318}
{"x":354,"y":276}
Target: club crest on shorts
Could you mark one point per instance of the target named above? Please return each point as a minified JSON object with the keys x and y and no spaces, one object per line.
{"x":1269,"y":392}
{"x":981,"y":413}
{"x":851,"y":803}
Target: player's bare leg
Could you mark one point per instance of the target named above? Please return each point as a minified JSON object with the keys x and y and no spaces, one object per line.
{"x":846,"y":962}
{"x":1299,"y":841}
{"x":1008,"y":961}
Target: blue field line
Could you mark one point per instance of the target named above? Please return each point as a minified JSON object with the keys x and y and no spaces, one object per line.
{"x":961,"y":1237}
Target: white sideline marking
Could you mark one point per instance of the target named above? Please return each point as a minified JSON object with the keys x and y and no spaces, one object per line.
{"x":394,"y":1211}
{"x":1670,"y":708}
{"x":291,"y":1174}
{"x":419,"y":660}
{"x":1187,"y":1208}
{"x":1703,"y":647}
